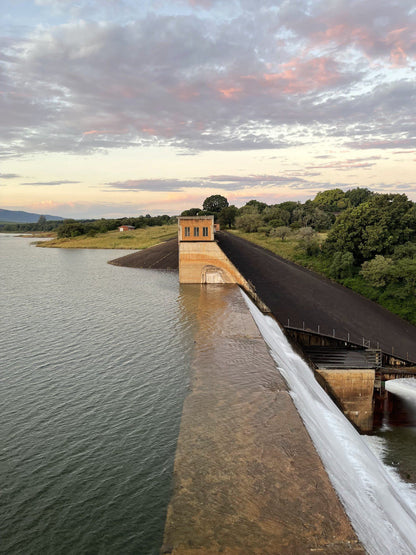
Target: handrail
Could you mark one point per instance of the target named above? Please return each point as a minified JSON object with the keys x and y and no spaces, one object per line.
{"x":366,"y":343}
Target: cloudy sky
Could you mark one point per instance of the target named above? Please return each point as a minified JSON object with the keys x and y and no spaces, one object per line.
{"x":124,"y":107}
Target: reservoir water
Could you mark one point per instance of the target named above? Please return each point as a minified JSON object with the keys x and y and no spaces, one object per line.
{"x":94,"y":367}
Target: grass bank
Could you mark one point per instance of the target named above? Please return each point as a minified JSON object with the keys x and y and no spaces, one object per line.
{"x":38,"y":234}
{"x":135,"y":239}
{"x":288,"y":248}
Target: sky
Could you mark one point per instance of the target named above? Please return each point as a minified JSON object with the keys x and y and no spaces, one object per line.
{"x":114,"y":108}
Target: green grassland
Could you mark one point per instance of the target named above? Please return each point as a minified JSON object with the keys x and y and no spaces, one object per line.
{"x":288,"y":248}
{"x":135,"y":239}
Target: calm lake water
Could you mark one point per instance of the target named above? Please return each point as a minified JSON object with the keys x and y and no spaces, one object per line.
{"x":94,"y":368}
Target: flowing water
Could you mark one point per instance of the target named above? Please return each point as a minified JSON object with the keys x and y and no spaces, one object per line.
{"x":396,"y":437}
{"x":381,"y":507}
{"x":94,"y":364}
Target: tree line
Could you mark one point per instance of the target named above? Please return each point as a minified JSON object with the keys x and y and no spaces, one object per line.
{"x":75,"y":228}
{"x":364,"y":240}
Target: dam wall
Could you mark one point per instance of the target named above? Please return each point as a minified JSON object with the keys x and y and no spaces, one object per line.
{"x":247,"y":477}
{"x":205,"y":262}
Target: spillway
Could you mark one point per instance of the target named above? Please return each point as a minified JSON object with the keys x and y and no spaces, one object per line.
{"x":403,"y":387}
{"x":382,"y":509}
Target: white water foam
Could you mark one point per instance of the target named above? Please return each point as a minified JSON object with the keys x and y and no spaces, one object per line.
{"x":382,"y":509}
{"x":404,"y":387}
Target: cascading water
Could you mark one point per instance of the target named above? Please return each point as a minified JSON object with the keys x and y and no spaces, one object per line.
{"x":382,"y":509}
{"x":403,"y":387}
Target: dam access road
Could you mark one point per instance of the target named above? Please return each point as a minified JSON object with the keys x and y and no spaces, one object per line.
{"x":302,"y":297}
{"x":298,"y":296}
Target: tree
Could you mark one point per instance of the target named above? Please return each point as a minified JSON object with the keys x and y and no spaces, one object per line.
{"x":408,"y":250}
{"x":376,"y":226}
{"x":310,"y":215}
{"x":357,"y":196}
{"x":342,"y":265}
{"x":377,"y":271}
{"x":71,"y":228}
{"x":191,"y":212}
{"x":227,"y":216}
{"x":260,"y":206}
{"x":215,"y":203}
{"x":42,"y":224}
{"x":281,"y":231}
{"x":306,"y":232}
{"x":276,"y":216}
{"x":249,"y":221}
{"x":333,"y":200}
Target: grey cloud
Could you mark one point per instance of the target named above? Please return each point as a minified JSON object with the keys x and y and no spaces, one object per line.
{"x":223,"y":182}
{"x":155,"y":185}
{"x":201,"y":83}
{"x":49,"y":183}
{"x":9,"y":175}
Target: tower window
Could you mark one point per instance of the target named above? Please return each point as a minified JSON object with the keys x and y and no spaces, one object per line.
{"x":205,"y":232}
{"x":196,"y":231}
{"x":187,"y":231}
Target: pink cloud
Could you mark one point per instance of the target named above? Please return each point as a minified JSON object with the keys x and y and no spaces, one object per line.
{"x":374,"y":41}
{"x":185,"y":92}
{"x":149,"y":130}
{"x":231,"y":92}
{"x":300,"y":76}
{"x":343,"y":34}
{"x":399,"y":40}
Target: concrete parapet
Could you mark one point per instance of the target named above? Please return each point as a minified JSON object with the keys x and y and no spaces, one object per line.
{"x":353,"y":391}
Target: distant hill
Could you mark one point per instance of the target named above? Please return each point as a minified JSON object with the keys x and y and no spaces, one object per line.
{"x":19,"y":217}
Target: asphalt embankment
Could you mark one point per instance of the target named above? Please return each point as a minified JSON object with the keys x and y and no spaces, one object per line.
{"x":164,"y":256}
{"x":301,"y":297}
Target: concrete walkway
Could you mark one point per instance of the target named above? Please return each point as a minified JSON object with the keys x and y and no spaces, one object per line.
{"x":299,"y":295}
{"x":247,"y":477}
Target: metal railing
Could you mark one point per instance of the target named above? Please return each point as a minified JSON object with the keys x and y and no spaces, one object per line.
{"x":350,"y":338}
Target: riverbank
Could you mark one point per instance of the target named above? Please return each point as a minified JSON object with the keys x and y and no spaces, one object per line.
{"x":141,"y":238}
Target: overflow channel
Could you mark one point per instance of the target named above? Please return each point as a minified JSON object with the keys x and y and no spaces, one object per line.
{"x":248,"y":479}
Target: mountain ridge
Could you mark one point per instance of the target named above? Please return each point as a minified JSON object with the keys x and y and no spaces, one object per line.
{"x":21,"y":217}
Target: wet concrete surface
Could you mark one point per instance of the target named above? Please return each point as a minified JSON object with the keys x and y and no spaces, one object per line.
{"x":247,"y":478}
{"x":300,"y":296}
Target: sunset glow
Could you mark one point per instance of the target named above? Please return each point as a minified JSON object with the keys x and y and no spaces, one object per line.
{"x":124,"y":108}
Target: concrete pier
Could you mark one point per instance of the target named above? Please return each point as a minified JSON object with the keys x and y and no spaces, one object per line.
{"x":247,"y":478}
{"x":353,"y":391}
